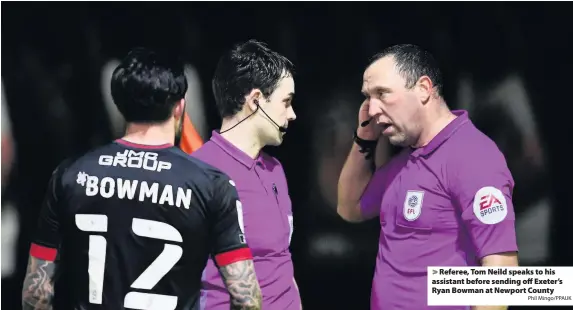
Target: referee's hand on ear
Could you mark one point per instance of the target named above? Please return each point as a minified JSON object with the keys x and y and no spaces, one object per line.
{"x":367,"y":128}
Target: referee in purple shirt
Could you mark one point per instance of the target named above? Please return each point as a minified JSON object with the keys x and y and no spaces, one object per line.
{"x":445,"y":200}
{"x":254,"y":88}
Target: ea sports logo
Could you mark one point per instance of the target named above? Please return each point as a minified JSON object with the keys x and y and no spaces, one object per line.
{"x":490,"y":206}
{"x":487,"y":201}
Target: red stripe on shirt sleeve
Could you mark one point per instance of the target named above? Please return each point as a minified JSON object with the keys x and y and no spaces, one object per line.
{"x":233,"y":256}
{"x":42,"y":252}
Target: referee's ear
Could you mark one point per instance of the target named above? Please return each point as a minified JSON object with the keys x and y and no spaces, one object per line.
{"x":424,"y":89}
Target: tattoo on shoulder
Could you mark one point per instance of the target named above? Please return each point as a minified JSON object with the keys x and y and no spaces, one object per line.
{"x":241,"y":281}
{"x":38,"y":289}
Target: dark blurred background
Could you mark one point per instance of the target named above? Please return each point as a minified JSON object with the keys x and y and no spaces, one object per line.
{"x":508,"y":64}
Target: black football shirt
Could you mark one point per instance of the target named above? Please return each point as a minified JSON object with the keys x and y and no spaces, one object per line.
{"x":132,"y":226}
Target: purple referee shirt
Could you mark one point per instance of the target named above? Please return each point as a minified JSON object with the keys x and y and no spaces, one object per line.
{"x":445,"y":204}
{"x":268,"y":225}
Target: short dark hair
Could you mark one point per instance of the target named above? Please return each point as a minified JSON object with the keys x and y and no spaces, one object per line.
{"x":412,"y":63}
{"x":245,"y":67}
{"x":146,"y":86}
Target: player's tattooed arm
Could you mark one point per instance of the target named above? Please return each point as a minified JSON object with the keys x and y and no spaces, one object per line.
{"x":242,"y":284}
{"x":38,"y":289}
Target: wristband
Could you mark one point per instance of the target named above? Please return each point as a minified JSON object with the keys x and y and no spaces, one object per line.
{"x":367,"y":147}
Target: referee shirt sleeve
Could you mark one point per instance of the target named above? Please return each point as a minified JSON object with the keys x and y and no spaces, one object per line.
{"x":371,"y":199}
{"x":229,"y":244}
{"x":481,"y":188}
{"x":47,"y":238}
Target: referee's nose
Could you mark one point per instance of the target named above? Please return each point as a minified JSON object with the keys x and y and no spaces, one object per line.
{"x":374,"y":108}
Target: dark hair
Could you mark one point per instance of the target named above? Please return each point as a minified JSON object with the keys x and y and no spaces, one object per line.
{"x":245,"y":67}
{"x":412,"y":63}
{"x":146,"y":86}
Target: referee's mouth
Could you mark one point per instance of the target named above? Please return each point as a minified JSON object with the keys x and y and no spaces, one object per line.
{"x":385,"y":127}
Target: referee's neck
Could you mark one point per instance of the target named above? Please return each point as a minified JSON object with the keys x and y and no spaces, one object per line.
{"x":244,"y":140}
{"x":434,"y":122}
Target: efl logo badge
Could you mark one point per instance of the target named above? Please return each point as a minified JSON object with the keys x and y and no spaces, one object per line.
{"x":490,"y":206}
{"x":413,"y":205}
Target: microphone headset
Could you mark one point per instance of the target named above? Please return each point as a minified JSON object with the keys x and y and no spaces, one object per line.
{"x":366,"y":122}
{"x":281,"y":128}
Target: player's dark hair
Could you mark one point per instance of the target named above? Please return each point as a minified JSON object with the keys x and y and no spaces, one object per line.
{"x":412,"y":63}
{"x":146,"y":86}
{"x":247,"y":66}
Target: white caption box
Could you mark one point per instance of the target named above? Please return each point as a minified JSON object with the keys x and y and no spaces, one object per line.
{"x":500,"y":286}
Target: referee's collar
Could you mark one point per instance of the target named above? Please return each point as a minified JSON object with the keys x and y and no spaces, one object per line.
{"x":234,"y":151}
{"x":460,"y":120}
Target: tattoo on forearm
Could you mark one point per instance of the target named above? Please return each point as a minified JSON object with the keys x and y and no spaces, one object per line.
{"x":38,"y":289}
{"x":243,"y":286}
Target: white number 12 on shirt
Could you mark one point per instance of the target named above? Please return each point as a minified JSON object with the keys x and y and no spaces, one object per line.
{"x":149,"y":278}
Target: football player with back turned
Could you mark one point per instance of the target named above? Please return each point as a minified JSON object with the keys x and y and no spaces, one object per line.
{"x":132,"y":224}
